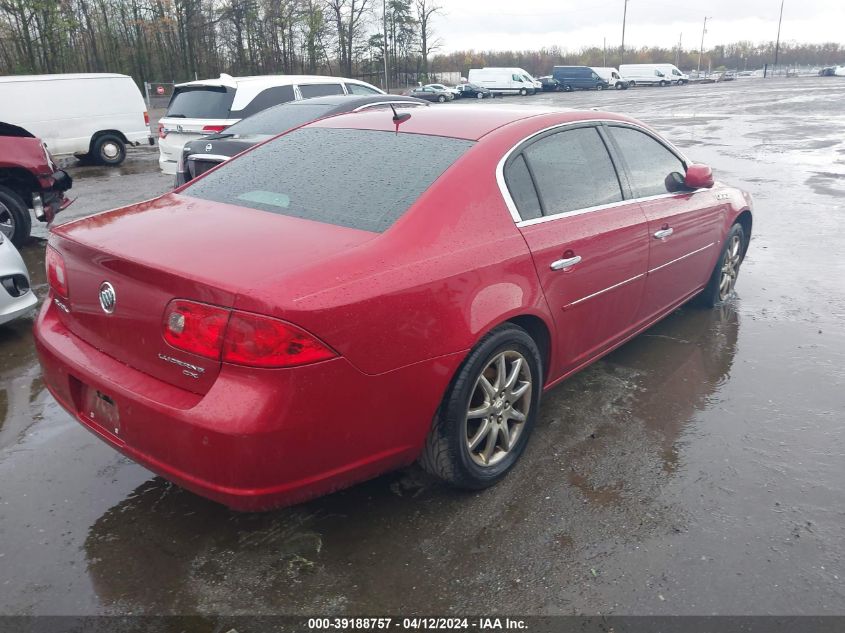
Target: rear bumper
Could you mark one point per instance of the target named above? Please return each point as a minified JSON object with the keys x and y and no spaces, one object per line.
{"x":259,"y":438}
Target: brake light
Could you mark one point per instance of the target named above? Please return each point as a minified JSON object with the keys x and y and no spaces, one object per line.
{"x":239,"y":338}
{"x":195,"y":327}
{"x":260,"y":341}
{"x":147,"y":119}
{"x":214,"y":129}
{"x":161,"y":132}
{"x":56,"y":272}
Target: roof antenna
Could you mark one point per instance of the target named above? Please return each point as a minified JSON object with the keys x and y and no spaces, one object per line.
{"x":399,"y":119}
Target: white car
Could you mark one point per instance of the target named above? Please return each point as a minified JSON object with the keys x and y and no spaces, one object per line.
{"x":16,"y":297}
{"x":93,"y":115}
{"x":207,"y":106}
{"x":454,"y":92}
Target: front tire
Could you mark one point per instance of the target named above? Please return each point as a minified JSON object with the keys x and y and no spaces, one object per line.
{"x":15,"y":221}
{"x":485,"y":419}
{"x":480,"y":95}
{"x":109,"y":150}
{"x":523,"y":93}
{"x":663,"y":84}
{"x":599,"y":87}
{"x":721,"y":286}
{"x":441,"y":99}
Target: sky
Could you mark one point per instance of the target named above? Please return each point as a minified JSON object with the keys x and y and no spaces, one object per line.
{"x":571,"y":24}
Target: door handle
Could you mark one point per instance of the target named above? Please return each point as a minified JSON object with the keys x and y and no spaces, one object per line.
{"x":562,"y":264}
{"x":662,"y":234}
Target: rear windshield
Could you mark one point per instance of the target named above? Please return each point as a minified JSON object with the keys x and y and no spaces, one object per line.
{"x":279,"y":119}
{"x":360,"y":179}
{"x":201,"y":102}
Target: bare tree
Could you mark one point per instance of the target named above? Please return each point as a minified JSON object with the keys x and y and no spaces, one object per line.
{"x":426,"y":10}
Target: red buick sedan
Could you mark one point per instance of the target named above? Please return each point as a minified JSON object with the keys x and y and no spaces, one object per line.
{"x":370,"y":290}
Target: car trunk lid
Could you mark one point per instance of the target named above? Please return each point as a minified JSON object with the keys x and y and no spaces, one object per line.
{"x":178,"y":247}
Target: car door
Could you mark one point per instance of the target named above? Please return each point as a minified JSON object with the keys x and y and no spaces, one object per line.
{"x":589,"y":244}
{"x":684,"y":226}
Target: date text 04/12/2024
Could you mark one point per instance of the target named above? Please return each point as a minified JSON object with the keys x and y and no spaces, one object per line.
{"x":415,"y":624}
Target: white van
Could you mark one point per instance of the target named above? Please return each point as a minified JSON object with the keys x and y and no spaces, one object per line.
{"x":207,"y":106}
{"x":653,"y":74}
{"x":612,"y":77}
{"x":505,"y":80}
{"x":92,"y":115}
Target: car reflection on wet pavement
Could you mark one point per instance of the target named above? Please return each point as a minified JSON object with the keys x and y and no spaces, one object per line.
{"x":696,"y":470}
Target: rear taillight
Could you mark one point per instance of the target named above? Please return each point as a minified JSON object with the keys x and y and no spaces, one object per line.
{"x":240,"y":338}
{"x":214,"y":129}
{"x":147,"y":119}
{"x":260,"y":341}
{"x":195,"y":327}
{"x":56,"y":272}
{"x":161,"y":132}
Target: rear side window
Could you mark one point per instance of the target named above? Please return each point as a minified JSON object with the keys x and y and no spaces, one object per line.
{"x":266,"y":99}
{"x":522,"y":190}
{"x":649,"y":162}
{"x":360,"y":179}
{"x":201,"y":102}
{"x":320,"y":90}
{"x":573,"y":171}
{"x":279,"y":119}
{"x":358,"y":89}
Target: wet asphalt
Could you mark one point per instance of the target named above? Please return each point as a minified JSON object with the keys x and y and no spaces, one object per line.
{"x":699,"y":469}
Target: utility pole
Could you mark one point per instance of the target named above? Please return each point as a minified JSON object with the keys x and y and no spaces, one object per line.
{"x":604,"y":51}
{"x":624,"y":17}
{"x":384,"y":48}
{"x":777,"y":44}
{"x":678,"y":54}
{"x":701,"y":48}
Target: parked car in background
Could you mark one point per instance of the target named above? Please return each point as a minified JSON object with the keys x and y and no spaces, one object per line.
{"x":16,"y":296}
{"x":209,"y":151}
{"x":474,"y":90}
{"x":91,"y":116}
{"x":504,"y":80}
{"x":839,"y":71}
{"x":827,"y":71}
{"x":649,"y":74}
{"x":549,"y":84}
{"x":612,"y":77}
{"x":674,"y":74}
{"x":29,"y":179}
{"x":578,"y":78}
{"x":198,"y":108}
{"x":225,"y":356}
{"x":452,"y":91}
{"x":431,"y":94}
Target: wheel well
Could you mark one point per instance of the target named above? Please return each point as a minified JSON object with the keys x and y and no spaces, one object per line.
{"x":102,"y":133}
{"x":21,"y":182}
{"x":537,"y":330}
{"x":745,"y":221}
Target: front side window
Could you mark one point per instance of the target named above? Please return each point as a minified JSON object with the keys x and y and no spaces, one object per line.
{"x":573,"y":170}
{"x":320,"y":90}
{"x":649,"y":162}
{"x":360,"y":179}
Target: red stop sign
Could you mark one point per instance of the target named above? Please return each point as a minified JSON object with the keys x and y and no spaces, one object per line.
{"x":159,"y":90}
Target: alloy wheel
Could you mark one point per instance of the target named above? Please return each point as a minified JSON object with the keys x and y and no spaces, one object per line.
{"x":7,"y":221}
{"x":498,"y":408}
{"x":730,"y":268}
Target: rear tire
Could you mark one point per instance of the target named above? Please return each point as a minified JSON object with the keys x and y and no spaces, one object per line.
{"x":488,"y":411}
{"x":15,"y":221}
{"x":720,"y":287}
{"x":109,"y":150}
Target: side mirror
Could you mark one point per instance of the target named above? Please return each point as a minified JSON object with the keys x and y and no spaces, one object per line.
{"x":699,"y":177}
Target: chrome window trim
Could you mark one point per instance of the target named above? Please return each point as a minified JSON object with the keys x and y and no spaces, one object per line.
{"x":511,"y":205}
{"x":206,"y":157}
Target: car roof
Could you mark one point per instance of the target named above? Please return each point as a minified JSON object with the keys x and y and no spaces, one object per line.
{"x":469,"y":122}
{"x":13,"y":78}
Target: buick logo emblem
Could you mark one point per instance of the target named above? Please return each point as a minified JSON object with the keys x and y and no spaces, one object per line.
{"x":208,"y":147}
{"x":108,"y":298}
